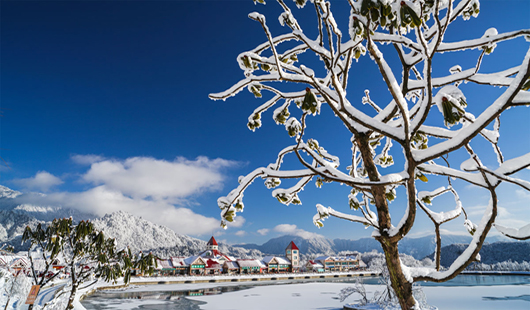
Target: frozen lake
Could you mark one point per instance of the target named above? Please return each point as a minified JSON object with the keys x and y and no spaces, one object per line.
{"x":463,"y":292}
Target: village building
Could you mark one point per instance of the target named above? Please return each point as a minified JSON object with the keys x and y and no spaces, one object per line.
{"x":212,"y":252}
{"x":281,"y":264}
{"x":213,"y":267}
{"x":196,"y":265}
{"x":314,"y":266}
{"x":251,"y":266}
{"x":277,"y":264}
{"x":293,"y":254}
{"x":179,"y":264}
{"x":212,"y":262}
{"x":231,"y":268}
{"x":348,"y":262}
{"x":14,"y":263}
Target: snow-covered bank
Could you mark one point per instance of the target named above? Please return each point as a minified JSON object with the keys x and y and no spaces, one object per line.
{"x":324,"y":295}
{"x":280,"y":295}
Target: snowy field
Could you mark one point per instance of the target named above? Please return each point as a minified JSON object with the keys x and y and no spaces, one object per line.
{"x":311,"y":296}
{"x":267,"y":295}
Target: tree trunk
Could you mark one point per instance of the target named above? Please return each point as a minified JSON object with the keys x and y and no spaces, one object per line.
{"x":7,"y":304}
{"x":70,"y":304}
{"x":402,"y":287}
{"x":438,"y":255}
{"x":73,"y":291}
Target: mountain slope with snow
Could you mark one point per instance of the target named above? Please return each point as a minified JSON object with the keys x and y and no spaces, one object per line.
{"x":490,"y":253}
{"x":141,"y":235}
{"x":276,"y":246}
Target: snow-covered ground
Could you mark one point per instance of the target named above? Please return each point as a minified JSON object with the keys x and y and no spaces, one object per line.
{"x":279,"y":295}
{"x":324,"y":295}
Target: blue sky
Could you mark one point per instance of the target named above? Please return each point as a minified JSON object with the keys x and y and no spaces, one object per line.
{"x":105,"y":107}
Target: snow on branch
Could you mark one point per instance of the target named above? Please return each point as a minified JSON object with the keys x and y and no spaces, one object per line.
{"x":522,"y":233}
{"x":439,"y":217}
{"x":514,"y":165}
{"x":480,"y":43}
{"x":469,"y":254}
{"x":522,"y":98}
{"x":323,"y":213}
{"x":468,"y":132}
{"x":433,"y":168}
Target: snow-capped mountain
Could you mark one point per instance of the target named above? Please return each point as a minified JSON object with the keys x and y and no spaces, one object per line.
{"x":418,"y":248}
{"x":128,"y":230}
{"x":276,"y":246}
{"x":142,"y":235}
{"x":11,"y":200}
{"x":12,"y":225}
{"x":6,"y":192}
{"x":490,"y":253}
{"x":415,"y":247}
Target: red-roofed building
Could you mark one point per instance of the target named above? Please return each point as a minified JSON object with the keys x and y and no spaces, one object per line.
{"x":293,"y":254}
{"x":213,"y":267}
{"x":212,"y":252}
{"x":212,"y":244}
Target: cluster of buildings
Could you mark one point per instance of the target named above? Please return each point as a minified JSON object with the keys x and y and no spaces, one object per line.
{"x":212,"y":262}
{"x":14,"y":263}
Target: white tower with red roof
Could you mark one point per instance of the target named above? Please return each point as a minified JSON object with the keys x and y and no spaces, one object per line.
{"x":293,"y":254}
{"x":212,"y":245}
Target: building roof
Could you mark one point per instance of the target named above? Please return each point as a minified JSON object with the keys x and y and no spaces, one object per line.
{"x":281,"y":260}
{"x":213,"y":264}
{"x":249,"y":263}
{"x":349,"y":257}
{"x":323,"y":258}
{"x":179,"y":261}
{"x":215,"y":254}
{"x":212,"y":241}
{"x":232,"y":265}
{"x":315,"y":264}
{"x":164,"y":264}
{"x":192,"y":259}
{"x":292,"y":246}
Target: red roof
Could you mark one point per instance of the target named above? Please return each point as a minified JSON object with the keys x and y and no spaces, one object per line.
{"x":212,"y":264}
{"x":212,"y":241}
{"x":291,"y":246}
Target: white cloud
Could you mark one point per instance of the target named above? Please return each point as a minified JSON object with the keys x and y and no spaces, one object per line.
{"x":143,"y":177}
{"x":42,"y":181}
{"x":87,"y":159}
{"x":241,"y":233}
{"x":521,"y":193}
{"x":263,"y":231}
{"x":101,"y":200}
{"x":291,"y":229}
{"x":143,"y":186}
{"x":238,"y":222}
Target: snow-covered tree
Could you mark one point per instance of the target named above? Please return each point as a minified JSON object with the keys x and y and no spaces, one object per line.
{"x":15,"y":286}
{"x":87,"y":254}
{"x":42,"y":254}
{"x":425,"y":118}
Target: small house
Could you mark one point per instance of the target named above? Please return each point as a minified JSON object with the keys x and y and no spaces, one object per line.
{"x":250,"y":266}
{"x":277,"y":264}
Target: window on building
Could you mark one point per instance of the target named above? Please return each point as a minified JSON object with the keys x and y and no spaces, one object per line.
{"x":288,"y":251}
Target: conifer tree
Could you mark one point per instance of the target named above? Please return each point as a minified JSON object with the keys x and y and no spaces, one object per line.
{"x":87,"y":254}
